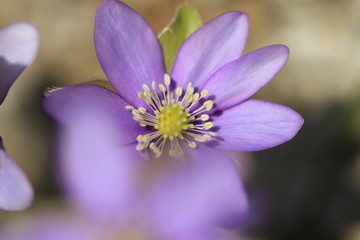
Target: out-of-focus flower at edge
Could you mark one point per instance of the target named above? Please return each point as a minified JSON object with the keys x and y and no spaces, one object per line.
{"x":119,"y":198}
{"x":203,"y":103}
{"x":18,"y":47}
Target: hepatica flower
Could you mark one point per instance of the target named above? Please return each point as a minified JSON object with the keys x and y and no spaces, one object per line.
{"x":203,"y":101}
{"x":18,"y":47}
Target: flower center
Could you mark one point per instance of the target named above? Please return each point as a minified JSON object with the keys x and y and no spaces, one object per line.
{"x":174,"y":117}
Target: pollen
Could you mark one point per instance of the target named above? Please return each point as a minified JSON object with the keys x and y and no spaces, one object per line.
{"x":173,"y":117}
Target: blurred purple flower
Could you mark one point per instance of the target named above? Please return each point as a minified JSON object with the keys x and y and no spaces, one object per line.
{"x":116,"y":200}
{"x":205,"y":101}
{"x":18,"y":47}
{"x":177,"y":203}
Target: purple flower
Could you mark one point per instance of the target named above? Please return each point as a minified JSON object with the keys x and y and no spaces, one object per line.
{"x":18,"y":47}
{"x":203,"y":102}
{"x":116,"y":200}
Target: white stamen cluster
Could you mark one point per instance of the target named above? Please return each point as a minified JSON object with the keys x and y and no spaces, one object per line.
{"x":175,"y":116}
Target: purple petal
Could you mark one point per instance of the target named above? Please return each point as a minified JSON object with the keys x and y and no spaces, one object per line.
{"x":128,"y":50}
{"x":240,"y":79}
{"x":70,"y":103}
{"x":207,"y":191}
{"x":15,"y":190}
{"x":18,"y":47}
{"x":256,"y":125}
{"x":96,"y":171}
{"x":212,"y":46}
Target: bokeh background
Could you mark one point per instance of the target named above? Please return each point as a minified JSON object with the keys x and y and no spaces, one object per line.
{"x":308,"y":188}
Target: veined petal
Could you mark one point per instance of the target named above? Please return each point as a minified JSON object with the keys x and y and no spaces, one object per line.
{"x":212,"y":46}
{"x":68,"y":104}
{"x":240,"y":79}
{"x":18,"y":47}
{"x":128,"y":50}
{"x":15,"y":190}
{"x":256,"y":125}
{"x":208,"y":190}
{"x":97,"y":173}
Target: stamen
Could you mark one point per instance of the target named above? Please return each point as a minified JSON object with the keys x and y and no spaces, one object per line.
{"x":167,"y":79}
{"x":209,"y":125}
{"x":204,"y":93}
{"x":128,"y":107}
{"x":171,"y":117}
{"x":146,"y":88}
{"x":179,"y":91}
{"x":204,"y":117}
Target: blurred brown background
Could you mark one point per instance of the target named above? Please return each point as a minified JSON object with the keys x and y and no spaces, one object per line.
{"x":312,"y":183}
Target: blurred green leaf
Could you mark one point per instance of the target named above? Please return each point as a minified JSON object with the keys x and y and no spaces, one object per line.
{"x":102,"y":83}
{"x":187,"y":21}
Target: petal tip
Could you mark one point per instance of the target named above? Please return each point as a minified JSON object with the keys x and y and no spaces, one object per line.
{"x":25,"y":32}
{"x":299,"y":122}
{"x":24,"y":28}
{"x":240,"y":17}
{"x":283,"y":49}
{"x":16,"y":192}
{"x":279,"y":50}
{"x":109,"y":4}
{"x":21,"y":42}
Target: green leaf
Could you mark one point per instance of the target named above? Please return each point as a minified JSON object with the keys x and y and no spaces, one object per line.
{"x":102,"y":83}
{"x":187,"y":21}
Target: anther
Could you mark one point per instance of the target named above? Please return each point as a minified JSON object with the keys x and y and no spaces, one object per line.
{"x":162,"y":88}
{"x":196,"y":97}
{"x":140,"y":147}
{"x":209,"y":107}
{"x":179,"y":91}
{"x":200,"y":139}
{"x":192,"y":144}
{"x":146,"y":88}
{"x":138,"y":118}
{"x":189,"y":99}
{"x":208,"y":102}
{"x":142,"y":110}
{"x":139,"y":138}
{"x":135,"y":112}
{"x":167,"y":79}
{"x":208,"y":125}
{"x":204,"y":117}
{"x":141,"y":95}
{"x":204,"y":93}
{"x":190,"y":90}
{"x":207,"y":137}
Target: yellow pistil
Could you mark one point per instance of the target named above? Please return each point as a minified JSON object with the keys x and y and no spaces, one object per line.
{"x":171,"y":120}
{"x":174,"y":116}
